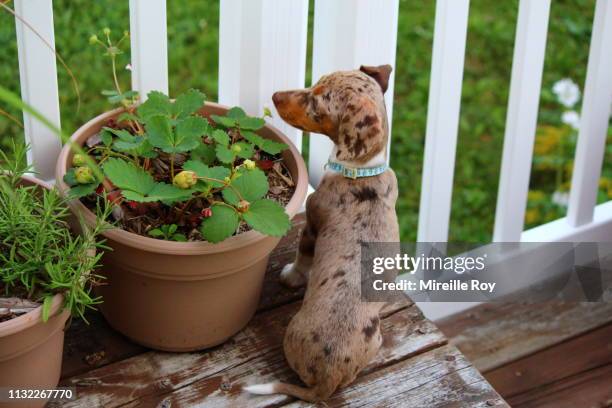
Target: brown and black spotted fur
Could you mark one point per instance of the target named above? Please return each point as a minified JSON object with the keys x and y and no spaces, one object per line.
{"x":335,"y":334}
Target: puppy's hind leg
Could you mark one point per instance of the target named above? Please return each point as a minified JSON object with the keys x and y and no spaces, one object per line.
{"x":296,"y":274}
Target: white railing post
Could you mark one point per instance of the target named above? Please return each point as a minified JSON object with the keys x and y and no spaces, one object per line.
{"x":262,"y":49}
{"x":521,"y":119}
{"x":595,"y":116}
{"x":38,"y":75}
{"x":347,"y":34}
{"x":149,"y":44}
{"x":442,"y":119}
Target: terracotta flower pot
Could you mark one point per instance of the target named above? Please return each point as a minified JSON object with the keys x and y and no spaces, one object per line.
{"x":183,"y":296}
{"x":30,"y":349}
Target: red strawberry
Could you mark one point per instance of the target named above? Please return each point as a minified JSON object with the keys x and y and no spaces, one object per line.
{"x":100,"y":189}
{"x":132,"y":204}
{"x":206,"y":213}
{"x":114,"y":197}
{"x":265,"y":164}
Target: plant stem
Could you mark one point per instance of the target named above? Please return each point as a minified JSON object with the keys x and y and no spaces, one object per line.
{"x":227,"y":185}
{"x":172,"y":166}
{"x":113,"y":57}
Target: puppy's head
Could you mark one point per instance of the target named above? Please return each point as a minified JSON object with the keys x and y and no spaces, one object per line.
{"x":347,"y":106}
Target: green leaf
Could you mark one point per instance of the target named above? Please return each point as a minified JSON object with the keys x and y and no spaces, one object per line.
{"x":117,"y":97}
{"x":188,"y":103}
{"x":236,"y":113}
{"x":156,"y":233}
{"x":268,"y":217}
{"x":224,"y":154}
{"x":128,"y":146}
{"x":223,"y":121}
{"x":190,"y":130}
{"x":178,"y":237}
{"x":70,"y":177}
{"x":106,"y":137}
{"x":156,"y":104}
{"x":202,"y":170}
{"x":220,"y":137}
{"x":46,"y":307}
{"x":205,"y":153}
{"x":160,"y":133}
{"x":120,"y":133}
{"x":127,"y":116}
{"x":251,"y":184}
{"x":128,"y":177}
{"x":82,"y":190}
{"x":186,"y":137}
{"x":167,"y":193}
{"x":145,"y":150}
{"x":221,"y":224}
{"x":251,"y":123}
{"x":268,"y":146}
{"x":246,"y":150}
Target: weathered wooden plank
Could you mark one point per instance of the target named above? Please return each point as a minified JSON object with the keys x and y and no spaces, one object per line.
{"x":273,"y":292}
{"x":93,"y":345}
{"x":440,"y":377}
{"x":555,"y":363}
{"x":495,"y":334}
{"x":592,"y":388}
{"x":96,"y":345}
{"x":253,"y":355}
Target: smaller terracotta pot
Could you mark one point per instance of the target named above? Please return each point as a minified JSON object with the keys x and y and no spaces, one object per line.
{"x":31,"y":351}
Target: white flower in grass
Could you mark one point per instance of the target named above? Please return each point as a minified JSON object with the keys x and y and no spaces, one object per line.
{"x":571,"y":118}
{"x":128,"y":67}
{"x":567,"y":92}
{"x":561,"y":198}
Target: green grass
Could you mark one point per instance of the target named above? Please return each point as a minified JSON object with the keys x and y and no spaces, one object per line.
{"x":193,"y":60}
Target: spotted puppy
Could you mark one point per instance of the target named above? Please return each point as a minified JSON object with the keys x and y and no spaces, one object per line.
{"x":335,"y":334}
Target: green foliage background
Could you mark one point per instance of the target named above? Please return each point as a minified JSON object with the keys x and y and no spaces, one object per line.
{"x":193,"y":60}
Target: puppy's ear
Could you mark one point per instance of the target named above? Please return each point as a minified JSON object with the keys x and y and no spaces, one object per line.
{"x":380,"y":73}
{"x":362,"y":132}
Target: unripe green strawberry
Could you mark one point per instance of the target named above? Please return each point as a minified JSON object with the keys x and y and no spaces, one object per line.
{"x":249,"y":164}
{"x":78,"y":160}
{"x":93,"y":39}
{"x":236,"y":148}
{"x":185,"y":179}
{"x":227,"y":180}
{"x":84,"y":175}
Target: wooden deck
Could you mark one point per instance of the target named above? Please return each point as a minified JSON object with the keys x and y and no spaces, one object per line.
{"x":553,"y":355}
{"x":415,"y":368}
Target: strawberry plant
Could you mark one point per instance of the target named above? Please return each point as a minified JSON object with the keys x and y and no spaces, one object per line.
{"x":205,"y":164}
{"x":174,"y":174}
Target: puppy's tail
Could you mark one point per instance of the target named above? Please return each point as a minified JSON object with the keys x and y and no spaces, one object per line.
{"x":316,"y":394}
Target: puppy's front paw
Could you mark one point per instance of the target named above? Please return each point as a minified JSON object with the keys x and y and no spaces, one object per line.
{"x":290,"y":276}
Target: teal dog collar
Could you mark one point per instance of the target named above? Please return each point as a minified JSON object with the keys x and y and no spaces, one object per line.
{"x":354,"y":173}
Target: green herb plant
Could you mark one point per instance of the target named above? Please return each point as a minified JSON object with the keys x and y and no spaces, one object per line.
{"x":163,"y":157}
{"x":39,"y":256}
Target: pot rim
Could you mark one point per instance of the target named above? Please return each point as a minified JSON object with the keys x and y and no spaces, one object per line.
{"x":140,"y":242}
{"x":33,"y":317}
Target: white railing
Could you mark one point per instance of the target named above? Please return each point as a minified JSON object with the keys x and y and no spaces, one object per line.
{"x":263,"y":49}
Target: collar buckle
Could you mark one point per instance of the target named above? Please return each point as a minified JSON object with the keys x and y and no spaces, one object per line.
{"x":349,"y":172}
